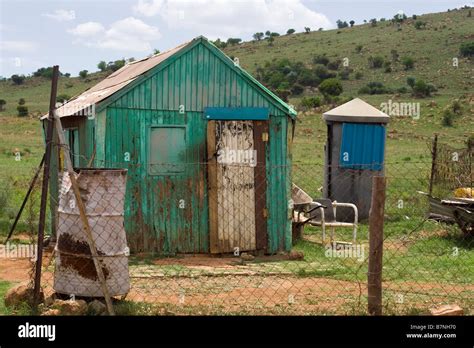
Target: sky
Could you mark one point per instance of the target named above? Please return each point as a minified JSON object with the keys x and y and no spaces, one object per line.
{"x":77,"y":34}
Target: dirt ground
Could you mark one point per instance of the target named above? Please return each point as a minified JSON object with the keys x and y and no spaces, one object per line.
{"x":220,"y":286}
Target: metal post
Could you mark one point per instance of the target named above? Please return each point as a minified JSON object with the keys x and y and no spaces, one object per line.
{"x":376,"y":220}
{"x":44,"y":189}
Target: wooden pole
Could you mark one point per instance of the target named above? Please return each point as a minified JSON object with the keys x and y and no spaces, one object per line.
{"x":44,"y":189}
{"x":32,"y":185}
{"x":82,"y":213}
{"x":434,"y":154}
{"x":376,"y":220}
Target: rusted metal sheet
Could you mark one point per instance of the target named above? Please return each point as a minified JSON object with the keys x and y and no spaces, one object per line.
{"x":103,"y":193}
{"x":235,"y":185}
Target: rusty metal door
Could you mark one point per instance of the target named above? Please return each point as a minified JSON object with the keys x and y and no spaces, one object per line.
{"x":232,"y":186}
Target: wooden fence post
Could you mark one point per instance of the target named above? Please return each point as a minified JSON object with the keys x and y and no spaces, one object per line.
{"x":434,"y":155}
{"x":376,"y":220}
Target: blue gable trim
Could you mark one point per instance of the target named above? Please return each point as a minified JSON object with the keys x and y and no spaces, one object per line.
{"x":217,"y":113}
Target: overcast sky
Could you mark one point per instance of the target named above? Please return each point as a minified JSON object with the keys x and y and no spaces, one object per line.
{"x":77,"y":34}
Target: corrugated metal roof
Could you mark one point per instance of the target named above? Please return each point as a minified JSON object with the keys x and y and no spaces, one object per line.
{"x":130,"y":72}
{"x":113,"y":83}
{"x":356,"y":110}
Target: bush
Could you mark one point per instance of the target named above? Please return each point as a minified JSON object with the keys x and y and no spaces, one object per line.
{"x":374,"y":88}
{"x":22,"y":110}
{"x":423,"y":89}
{"x":344,"y":74}
{"x":2,"y":104}
{"x":358,"y":75}
{"x":448,"y":118}
{"x":290,"y":31}
{"x":334,"y":65}
{"x":321,"y":60}
{"x":402,"y":90}
{"x":408,"y":62}
{"x":411,"y":81}
{"x":297,"y":89}
{"x":467,"y":49}
{"x":323,"y":73}
{"x":456,"y":107}
{"x":358,"y":48}
{"x":387,"y":67}
{"x":420,"y":24}
{"x":375,"y":62}
{"x":83,"y":73}
{"x":311,"y":102}
{"x":331,"y":87}
{"x":18,"y":79}
{"x":21,"y":101}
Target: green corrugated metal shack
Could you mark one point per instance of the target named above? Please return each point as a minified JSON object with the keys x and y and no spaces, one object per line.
{"x":172,"y":120}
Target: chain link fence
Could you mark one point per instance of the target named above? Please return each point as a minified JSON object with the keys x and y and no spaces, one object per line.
{"x":318,"y":265}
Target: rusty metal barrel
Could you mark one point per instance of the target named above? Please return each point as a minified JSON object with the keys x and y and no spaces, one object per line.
{"x":103,"y":194}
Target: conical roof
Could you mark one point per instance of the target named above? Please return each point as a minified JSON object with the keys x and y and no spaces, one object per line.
{"x":357,"y":111}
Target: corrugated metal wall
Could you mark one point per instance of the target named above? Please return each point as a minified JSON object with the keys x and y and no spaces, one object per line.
{"x":196,"y":79}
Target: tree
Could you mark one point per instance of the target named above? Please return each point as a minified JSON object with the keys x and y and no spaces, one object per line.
{"x":352,"y":22}
{"x":2,"y":104}
{"x":44,"y":72}
{"x":258,"y":36}
{"x":423,"y":89}
{"x":233,"y":41}
{"x":18,"y":79}
{"x":268,"y":33}
{"x":83,"y":73}
{"x":102,"y":66}
{"x":157,"y":51}
{"x":270,"y":40}
{"x":408,"y":62}
{"x":307,"y":30}
{"x":341,"y":24}
{"x":331,"y":87}
{"x":290,"y":31}
{"x":373,"y":22}
{"x":399,"y":17}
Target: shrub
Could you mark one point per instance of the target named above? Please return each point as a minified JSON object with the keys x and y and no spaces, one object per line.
{"x":22,"y":110}
{"x":467,"y":49}
{"x":297,"y":89}
{"x":359,"y":48}
{"x":408,"y":62}
{"x":21,"y":101}
{"x":2,"y":104}
{"x":18,"y":79}
{"x":331,"y":87}
{"x":62,"y":98}
{"x":311,"y":102}
{"x":456,"y":107}
{"x":402,"y":90}
{"x":423,"y":89}
{"x":344,"y":74}
{"x":358,"y":75}
{"x":387,"y":66}
{"x":411,"y":81}
{"x":448,"y":118}
{"x":233,"y":41}
{"x":334,"y":65}
{"x":374,"y":88}
{"x":321,"y":59}
{"x":290,"y":31}
{"x":373,"y":22}
{"x":307,"y":30}
{"x":420,"y":24}
{"x":375,"y":62}
{"x":83,"y":73}
{"x":323,"y":73}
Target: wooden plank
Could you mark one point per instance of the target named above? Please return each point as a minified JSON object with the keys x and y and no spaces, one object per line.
{"x":212,"y":186}
{"x":376,"y":220}
{"x":260,"y":128}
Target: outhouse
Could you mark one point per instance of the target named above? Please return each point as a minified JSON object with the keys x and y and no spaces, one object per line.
{"x":207,"y":149}
{"x":354,"y":153}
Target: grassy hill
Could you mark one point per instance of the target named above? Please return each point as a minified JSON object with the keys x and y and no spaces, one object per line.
{"x":432,"y":47}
